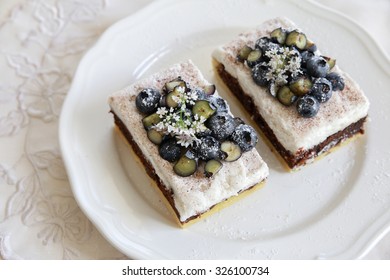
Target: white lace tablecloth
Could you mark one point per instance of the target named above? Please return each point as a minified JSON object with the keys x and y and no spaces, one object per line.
{"x":41,"y":43}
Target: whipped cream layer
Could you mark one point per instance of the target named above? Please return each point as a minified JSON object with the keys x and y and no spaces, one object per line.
{"x":195,"y":194}
{"x":293,"y":131}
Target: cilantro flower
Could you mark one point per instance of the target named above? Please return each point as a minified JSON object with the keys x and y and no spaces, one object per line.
{"x":282,"y":62}
{"x":179,"y":122}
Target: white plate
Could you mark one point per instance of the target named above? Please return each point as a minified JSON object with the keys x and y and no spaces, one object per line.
{"x":335,"y":208}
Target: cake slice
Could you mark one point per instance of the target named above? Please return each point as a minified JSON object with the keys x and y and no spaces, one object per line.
{"x":196,"y":152}
{"x":301,"y":100}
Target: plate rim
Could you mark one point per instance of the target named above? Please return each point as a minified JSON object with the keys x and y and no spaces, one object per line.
{"x":380,"y":56}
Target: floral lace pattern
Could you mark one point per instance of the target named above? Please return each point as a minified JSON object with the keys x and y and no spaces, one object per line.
{"x":45,"y":41}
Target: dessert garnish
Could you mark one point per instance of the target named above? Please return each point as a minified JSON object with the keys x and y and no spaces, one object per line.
{"x":191,"y":125}
{"x":290,"y":66}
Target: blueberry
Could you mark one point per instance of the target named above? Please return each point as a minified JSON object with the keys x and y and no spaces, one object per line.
{"x":286,"y":96}
{"x":308,"y":106}
{"x":204,"y":133}
{"x":254,"y":58}
{"x":265,"y":44}
{"x":147,"y":100}
{"x":202,"y":108}
{"x":204,"y":93}
{"x":219,"y":104}
{"x":245,"y":137}
{"x":301,"y":85}
{"x":163,"y":101}
{"x":170,"y":150}
{"x":262,"y":43}
{"x":221,"y":125}
{"x":191,"y":154}
{"x":212,"y":167}
{"x":317,"y":66}
{"x":321,"y":90}
{"x":331,"y":61}
{"x":208,"y":148}
{"x":243,"y":53}
{"x":279,"y":35}
{"x":259,"y":73}
{"x":200,"y":93}
{"x":306,"y":55}
{"x":310,"y":46}
{"x":336,"y":80}
{"x":297,"y":39}
{"x":232,"y":150}
{"x":209,"y":89}
{"x":186,"y":165}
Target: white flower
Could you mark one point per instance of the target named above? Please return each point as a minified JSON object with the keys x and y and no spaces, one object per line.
{"x":176,"y":117}
{"x":162,"y":111}
{"x":193,"y":95}
{"x":187,"y":122}
{"x":178,"y":121}
{"x":180,"y":89}
{"x":283,"y":61}
{"x":186,"y":139}
{"x":160,"y":126}
{"x":176,"y":98}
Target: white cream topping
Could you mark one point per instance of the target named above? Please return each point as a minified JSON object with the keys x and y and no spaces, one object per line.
{"x":293,"y":132}
{"x":195,"y":194}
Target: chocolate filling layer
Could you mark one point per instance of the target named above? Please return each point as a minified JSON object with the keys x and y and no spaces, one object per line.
{"x":302,"y":156}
